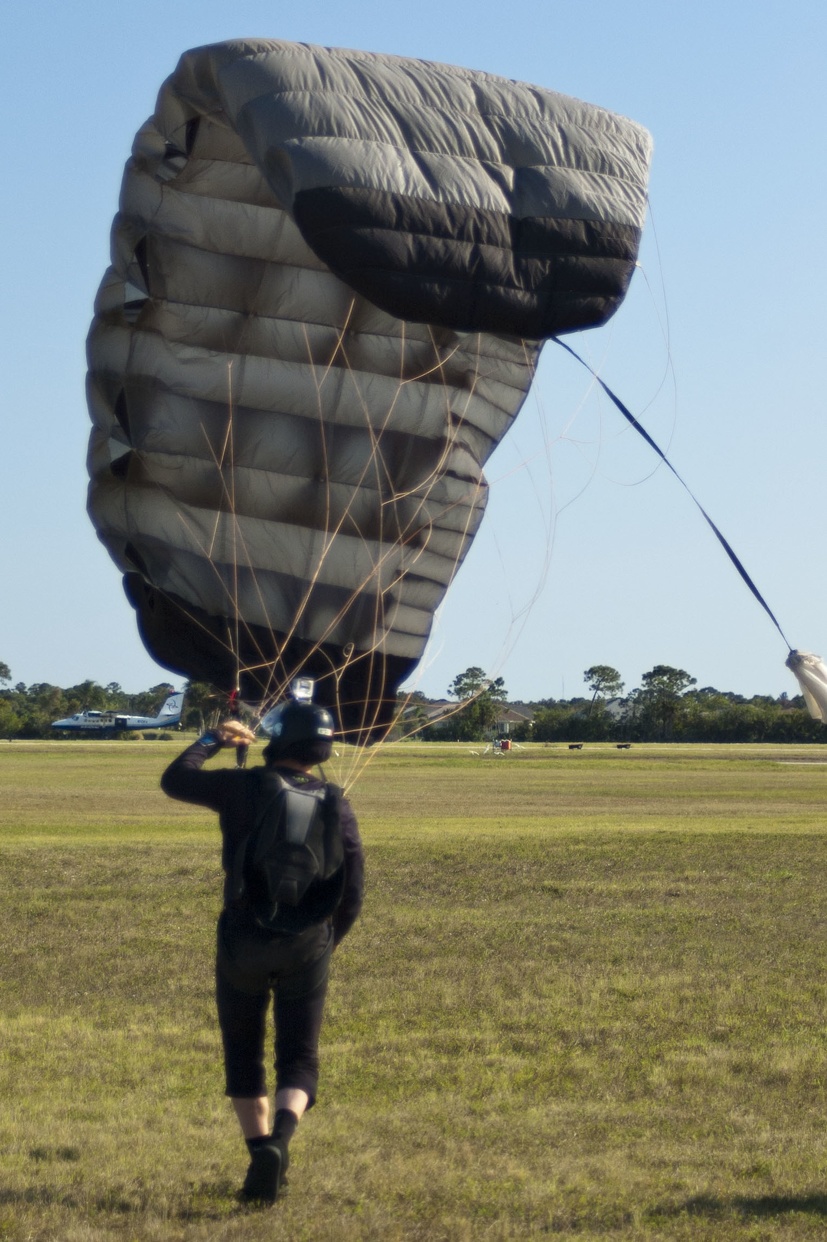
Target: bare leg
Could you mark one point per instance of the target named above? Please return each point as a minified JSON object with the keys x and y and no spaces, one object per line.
{"x":293,"y":1098}
{"x":254,"y":1115}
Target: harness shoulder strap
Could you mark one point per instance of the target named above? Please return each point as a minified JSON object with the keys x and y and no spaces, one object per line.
{"x":263,"y":806}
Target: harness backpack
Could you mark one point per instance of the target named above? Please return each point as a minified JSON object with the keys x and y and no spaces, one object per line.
{"x":288,"y":872}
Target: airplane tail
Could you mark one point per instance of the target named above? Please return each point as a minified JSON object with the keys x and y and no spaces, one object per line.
{"x":170,"y":713}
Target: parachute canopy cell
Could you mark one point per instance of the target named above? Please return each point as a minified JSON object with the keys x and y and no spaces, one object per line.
{"x":332,"y":273}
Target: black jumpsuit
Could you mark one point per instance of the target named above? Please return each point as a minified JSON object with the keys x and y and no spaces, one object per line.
{"x":294,"y":967}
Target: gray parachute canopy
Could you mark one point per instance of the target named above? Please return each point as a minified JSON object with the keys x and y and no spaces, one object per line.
{"x":331,"y":276}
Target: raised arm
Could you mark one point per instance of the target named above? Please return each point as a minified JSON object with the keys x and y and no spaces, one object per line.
{"x":184,"y":778}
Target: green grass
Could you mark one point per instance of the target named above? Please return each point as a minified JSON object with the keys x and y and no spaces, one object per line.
{"x":586,"y":999}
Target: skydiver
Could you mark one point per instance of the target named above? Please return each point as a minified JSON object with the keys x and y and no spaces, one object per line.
{"x":251,"y":962}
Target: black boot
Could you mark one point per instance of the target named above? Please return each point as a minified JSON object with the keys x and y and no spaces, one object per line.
{"x":269,"y":1159}
{"x":268,"y":1163}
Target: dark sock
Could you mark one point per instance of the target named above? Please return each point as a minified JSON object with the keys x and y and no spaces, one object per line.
{"x":284,"y":1126}
{"x":259,"y":1141}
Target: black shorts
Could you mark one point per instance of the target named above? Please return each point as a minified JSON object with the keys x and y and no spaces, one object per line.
{"x":251,"y":965}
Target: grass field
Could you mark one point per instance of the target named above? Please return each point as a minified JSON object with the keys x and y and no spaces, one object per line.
{"x":586,"y":999}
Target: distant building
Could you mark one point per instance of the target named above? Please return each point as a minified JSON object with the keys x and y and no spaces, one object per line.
{"x":431,"y":713}
{"x":509,"y":717}
{"x":618,"y":709}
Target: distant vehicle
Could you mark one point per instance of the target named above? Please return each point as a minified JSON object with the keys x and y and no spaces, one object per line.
{"x":113,"y":722}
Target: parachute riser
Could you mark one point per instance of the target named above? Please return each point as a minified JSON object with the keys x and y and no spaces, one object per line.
{"x":641,"y":430}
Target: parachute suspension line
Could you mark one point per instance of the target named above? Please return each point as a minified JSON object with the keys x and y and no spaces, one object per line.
{"x":233,"y":625}
{"x":225,"y":465}
{"x":454,"y":423}
{"x":439,"y":365}
{"x":235,"y":698}
{"x":376,"y":465}
{"x":664,"y":324}
{"x":230,"y":644}
{"x":241,"y":752}
{"x":337,"y":349}
{"x":265,"y":662}
{"x":633,"y":422}
{"x":234,"y":520}
{"x":521,"y":616}
{"x":220,"y":459}
{"x":279,"y":674}
{"x":330,"y":535}
{"x":207,"y":552}
{"x":660,"y":309}
{"x":375,"y":462}
{"x":423,"y":488}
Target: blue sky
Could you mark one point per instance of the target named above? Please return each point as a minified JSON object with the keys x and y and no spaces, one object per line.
{"x":588,"y":554}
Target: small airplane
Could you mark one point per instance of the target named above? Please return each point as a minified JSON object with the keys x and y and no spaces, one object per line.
{"x":113,"y":722}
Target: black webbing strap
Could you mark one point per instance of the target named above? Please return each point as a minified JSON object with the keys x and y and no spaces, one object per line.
{"x":630,"y":418}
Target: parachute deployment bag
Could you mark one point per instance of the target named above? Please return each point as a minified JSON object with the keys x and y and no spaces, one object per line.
{"x":296,"y":840}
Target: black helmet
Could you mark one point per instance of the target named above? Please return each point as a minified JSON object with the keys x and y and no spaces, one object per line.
{"x":291,"y":724}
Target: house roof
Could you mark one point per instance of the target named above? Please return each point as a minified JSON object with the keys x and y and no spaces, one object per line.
{"x":510,"y":715}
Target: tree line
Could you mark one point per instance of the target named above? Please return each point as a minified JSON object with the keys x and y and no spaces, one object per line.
{"x":28,"y":711}
{"x":666,"y":706}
